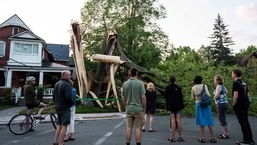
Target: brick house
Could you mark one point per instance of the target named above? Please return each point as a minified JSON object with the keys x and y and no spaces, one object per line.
{"x":23,"y":53}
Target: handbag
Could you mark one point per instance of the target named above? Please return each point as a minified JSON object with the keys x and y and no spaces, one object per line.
{"x":205,"y":99}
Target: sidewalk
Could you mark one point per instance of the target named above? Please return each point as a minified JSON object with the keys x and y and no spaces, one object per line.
{"x":7,"y":114}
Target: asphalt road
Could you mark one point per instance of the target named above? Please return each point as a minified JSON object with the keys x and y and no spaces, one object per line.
{"x":111,"y":132}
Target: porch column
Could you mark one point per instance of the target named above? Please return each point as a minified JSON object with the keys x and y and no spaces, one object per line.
{"x":9,"y":79}
{"x":41,"y":78}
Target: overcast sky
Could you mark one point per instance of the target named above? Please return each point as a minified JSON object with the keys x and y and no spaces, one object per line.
{"x":188,"y":22}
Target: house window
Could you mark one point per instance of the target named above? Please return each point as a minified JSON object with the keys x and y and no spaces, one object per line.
{"x":2,"y":48}
{"x":15,"y":30}
{"x":2,"y":78}
{"x":25,"y":48}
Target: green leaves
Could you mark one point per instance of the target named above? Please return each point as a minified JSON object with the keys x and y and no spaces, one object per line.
{"x":135,"y":21}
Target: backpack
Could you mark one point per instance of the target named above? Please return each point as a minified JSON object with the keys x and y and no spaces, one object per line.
{"x":205,"y":99}
{"x":246,"y":97}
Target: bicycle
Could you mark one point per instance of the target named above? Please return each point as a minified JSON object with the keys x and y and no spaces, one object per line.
{"x":22,"y":123}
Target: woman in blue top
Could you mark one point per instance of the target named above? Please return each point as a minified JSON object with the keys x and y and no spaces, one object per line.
{"x":222,"y":104}
{"x":70,"y":129}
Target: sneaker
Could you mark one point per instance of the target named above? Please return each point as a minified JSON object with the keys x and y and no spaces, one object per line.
{"x":245,"y":143}
{"x":39,"y":117}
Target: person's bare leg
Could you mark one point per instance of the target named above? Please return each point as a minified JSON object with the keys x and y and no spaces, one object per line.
{"x":178,"y":120}
{"x":173,"y":125}
{"x":170,"y":123}
{"x":211,"y":132}
{"x":62,"y":134}
{"x":42,"y":107}
{"x":40,"y":111}
{"x":128,"y":134}
{"x":145,"y":121}
{"x":57,"y":133}
{"x":151,"y":122}
{"x":225,"y":130}
{"x":202,"y":132}
{"x":28,"y":113}
{"x":138,"y":135}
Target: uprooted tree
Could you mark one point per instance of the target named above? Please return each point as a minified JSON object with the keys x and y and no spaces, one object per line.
{"x":101,"y":83}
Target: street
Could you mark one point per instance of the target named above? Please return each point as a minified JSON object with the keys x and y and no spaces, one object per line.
{"x":111,"y":132}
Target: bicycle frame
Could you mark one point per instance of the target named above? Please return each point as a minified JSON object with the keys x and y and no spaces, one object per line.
{"x":22,"y":123}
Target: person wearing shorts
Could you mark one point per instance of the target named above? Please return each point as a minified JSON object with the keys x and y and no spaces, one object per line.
{"x":63,"y":102}
{"x":150,"y":110}
{"x":30,"y":98}
{"x":174,"y":105}
{"x":134,"y":100}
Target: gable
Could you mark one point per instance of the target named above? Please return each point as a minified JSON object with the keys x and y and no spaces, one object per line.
{"x":26,"y":35}
{"x":14,"y":21}
{"x":245,"y":59}
{"x":58,"y":52}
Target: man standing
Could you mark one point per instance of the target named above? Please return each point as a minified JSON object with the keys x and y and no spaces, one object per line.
{"x":63,"y":102}
{"x":133,"y":97}
{"x":241,"y":106}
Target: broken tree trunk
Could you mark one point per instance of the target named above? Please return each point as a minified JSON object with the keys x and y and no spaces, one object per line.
{"x":79,"y":63}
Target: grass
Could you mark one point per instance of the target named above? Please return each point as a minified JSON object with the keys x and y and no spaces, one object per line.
{"x":82,"y":109}
{"x":2,"y":107}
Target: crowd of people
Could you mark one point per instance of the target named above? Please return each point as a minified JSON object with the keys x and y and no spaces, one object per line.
{"x":140,"y":104}
{"x":140,"y":107}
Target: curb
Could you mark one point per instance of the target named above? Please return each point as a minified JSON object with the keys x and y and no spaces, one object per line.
{"x":78,"y":117}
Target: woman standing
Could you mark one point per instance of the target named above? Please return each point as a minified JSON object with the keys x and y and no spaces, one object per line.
{"x":220,"y":94}
{"x":174,"y":104}
{"x":150,"y":106}
{"x":71,"y":127}
{"x":203,"y":116}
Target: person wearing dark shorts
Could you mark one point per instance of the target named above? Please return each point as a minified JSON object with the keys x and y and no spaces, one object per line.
{"x":133,"y":98}
{"x":63,"y":102}
{"x":30,"y":98}
{"x":150,"y":106}
{"x":174,"y":105}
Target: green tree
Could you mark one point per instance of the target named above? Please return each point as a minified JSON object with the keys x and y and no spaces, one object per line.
{"x":248,"y":50}
{"x":220,"y":42}
{"x":205,"y":53}
{"x":135,"y":21}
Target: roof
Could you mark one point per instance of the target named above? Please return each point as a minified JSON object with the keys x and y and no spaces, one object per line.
{"x":54,"y":65}
{"x":14,"y":21}
{"x":245,"y":59}
{"x":59,"y":52}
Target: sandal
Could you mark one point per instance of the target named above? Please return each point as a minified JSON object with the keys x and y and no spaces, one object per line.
{"x":202,"y":140}
{"x":223,"y":136}
{"x":212,"y":140}
{"x":71,"y":138}
{"x":180,"y":139}
{"x":171,"y":139}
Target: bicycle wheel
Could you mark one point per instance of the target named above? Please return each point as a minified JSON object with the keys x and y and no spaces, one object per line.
{"x":53,"y":120}
{"x":20,"y":124}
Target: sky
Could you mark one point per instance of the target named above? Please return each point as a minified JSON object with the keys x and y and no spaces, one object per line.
{"x":188,"y":22}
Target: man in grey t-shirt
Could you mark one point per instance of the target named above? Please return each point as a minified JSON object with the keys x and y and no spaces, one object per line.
{"x":133,"y":97}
